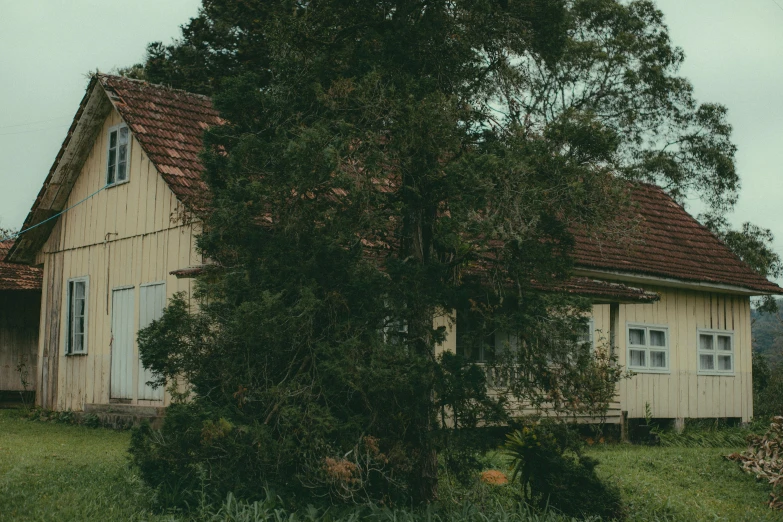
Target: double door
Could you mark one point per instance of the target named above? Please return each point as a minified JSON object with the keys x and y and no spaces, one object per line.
{"x":124,"y":350}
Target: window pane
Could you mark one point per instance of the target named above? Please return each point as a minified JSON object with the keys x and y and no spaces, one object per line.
{"x":121,"y":171}
{"x":112,"y":139}
{"x":657,"y":338}
{"x":69,"y":343}
{"x":724,"y":343}
{"x":110,"y":169}
{"x":123,"y":135}
{"x":657,"y":359}
{"x":79,"y":289}
{"x":706,"y":362}
{"x":583,"y":336}
{"x":78,"y":343}
{"x":724,"y":363}
{"x":706,"y":342}
{"x":78,"y":307}
{"x":79,"y":328}
{"x":637,"y":358}
{"x":636,"y":336}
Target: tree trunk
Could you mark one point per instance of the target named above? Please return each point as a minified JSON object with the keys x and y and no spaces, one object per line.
{"x":427,"y":487}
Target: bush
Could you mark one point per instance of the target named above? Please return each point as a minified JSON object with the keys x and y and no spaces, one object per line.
{"x":767,"y":388}
{"x":547,"y":461}
{"x":195,"y":451}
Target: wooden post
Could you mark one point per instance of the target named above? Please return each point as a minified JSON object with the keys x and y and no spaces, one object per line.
{"x":679,"y":424}
{"x":624,"y":427}
{"x":614,"y":325}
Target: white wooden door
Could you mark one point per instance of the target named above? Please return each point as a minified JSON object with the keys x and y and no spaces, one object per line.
{"x":152,"y":301}
{"x":122,"y":341}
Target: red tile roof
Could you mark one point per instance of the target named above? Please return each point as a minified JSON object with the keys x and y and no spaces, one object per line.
{"x":670,"y":243}
{"x":17,"y":277}
{"x":168,"y":123}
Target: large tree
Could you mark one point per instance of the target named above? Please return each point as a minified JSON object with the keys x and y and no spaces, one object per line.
{"x":385,"y":162}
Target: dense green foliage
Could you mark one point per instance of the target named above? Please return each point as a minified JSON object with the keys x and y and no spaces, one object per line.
{"x":767,"y":329}
{"x":547,"y":460}
{"x":753,"y":245}
{"x":386,"y":162}
{"x":767,"y":361}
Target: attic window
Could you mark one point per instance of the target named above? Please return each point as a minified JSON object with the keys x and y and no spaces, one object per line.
{"x":118,"y":154}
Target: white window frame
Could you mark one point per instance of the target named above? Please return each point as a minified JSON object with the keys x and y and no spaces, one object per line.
{"x":647,"y":347}
{"x":69,"y":331}
{"x":115,"y":168}
{"x":715,"y":352}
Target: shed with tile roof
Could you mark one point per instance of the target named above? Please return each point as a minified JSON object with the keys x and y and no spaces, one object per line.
{"x":20,"y":307}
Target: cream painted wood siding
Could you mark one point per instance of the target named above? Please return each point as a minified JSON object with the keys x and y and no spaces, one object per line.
{"x":125,"y":236}
{"x":682,"y":392}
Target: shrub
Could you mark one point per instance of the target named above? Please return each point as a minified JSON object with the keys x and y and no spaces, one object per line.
{"x":767,"y":388}
{"x":547,"y":460}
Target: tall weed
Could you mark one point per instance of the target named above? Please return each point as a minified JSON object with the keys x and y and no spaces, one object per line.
{"x":270,"y":510}
{"x":705,"y":434}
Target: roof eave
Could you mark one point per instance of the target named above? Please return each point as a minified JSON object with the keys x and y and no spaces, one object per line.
{"x":53,"y":196}
{"x":704,"y":286}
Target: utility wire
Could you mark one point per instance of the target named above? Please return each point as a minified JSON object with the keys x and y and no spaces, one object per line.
{"x":777,"y":4}
{"x":14,"y":236}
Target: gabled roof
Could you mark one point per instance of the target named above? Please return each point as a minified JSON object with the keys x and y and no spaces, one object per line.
{"x":17,"y":277}
{"x":167,"y":123}
{"x":670,"y":244}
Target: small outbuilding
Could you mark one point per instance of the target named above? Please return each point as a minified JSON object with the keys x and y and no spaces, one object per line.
{"x":20,"y":311}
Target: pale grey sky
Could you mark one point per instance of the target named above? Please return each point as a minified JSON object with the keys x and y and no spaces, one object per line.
{"x":46,"y":49}
{"x":734,"y":55}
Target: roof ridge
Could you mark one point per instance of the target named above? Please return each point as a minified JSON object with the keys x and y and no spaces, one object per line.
{"x":150,"y":84}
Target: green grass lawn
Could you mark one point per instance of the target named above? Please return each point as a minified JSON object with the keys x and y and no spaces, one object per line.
{"x":683,"y":484}
{"x":63,"y":473}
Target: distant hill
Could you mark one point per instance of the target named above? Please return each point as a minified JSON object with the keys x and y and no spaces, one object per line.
{"x":767,"y":331}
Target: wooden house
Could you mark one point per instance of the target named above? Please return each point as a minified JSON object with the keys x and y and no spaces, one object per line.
{"x":119,"y":188}
{"x":127,"y":175}
{"x":20,"y":306}
{"x":690,"y":351}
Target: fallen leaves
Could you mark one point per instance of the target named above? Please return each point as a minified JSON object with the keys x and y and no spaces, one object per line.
{"x":764,"y":459}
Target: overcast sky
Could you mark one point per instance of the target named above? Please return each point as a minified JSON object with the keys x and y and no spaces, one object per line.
{"x":734,"y":52}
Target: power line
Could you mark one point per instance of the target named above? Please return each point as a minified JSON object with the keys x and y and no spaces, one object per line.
{"x":14,"y":236}
{"x":777,"y":4}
